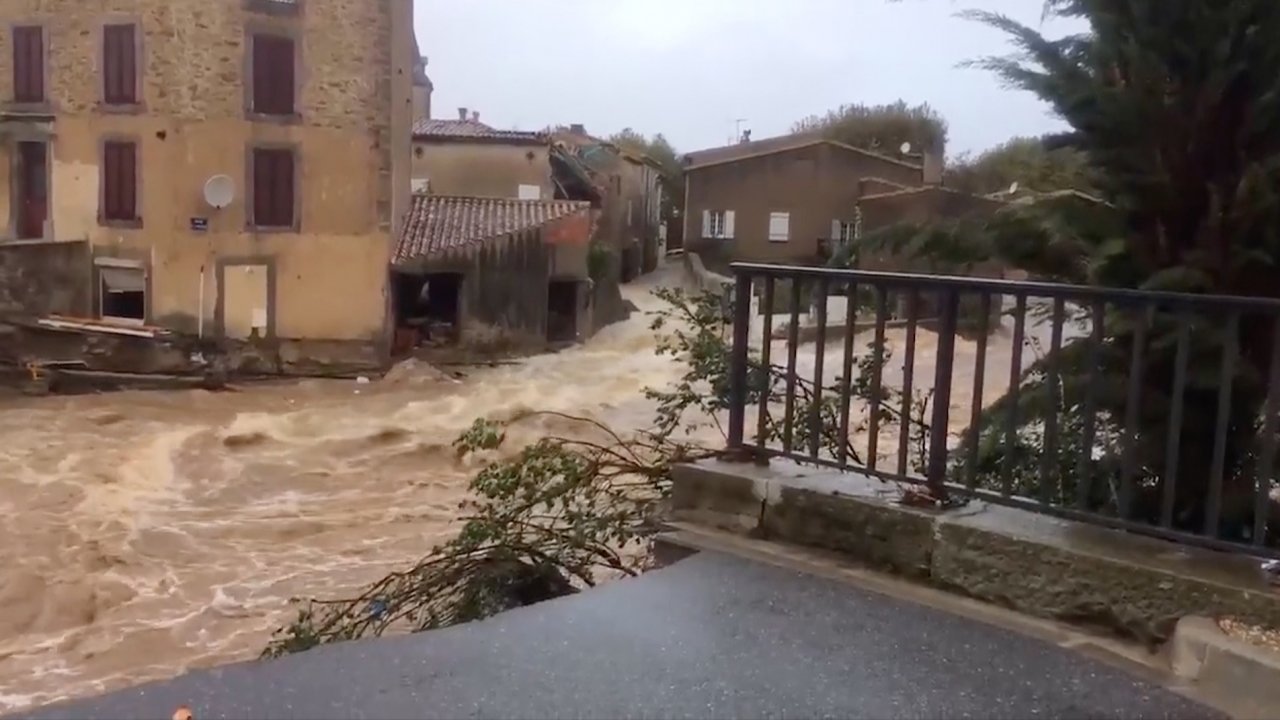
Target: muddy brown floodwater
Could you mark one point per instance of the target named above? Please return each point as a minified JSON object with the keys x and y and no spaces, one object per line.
{"x":149,"y":533}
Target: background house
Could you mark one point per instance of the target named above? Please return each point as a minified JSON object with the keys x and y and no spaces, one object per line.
{"x":782,"y":199}
{"x":112,"y":126}
{"x":628,"y":191}
{"x":467,"y":157}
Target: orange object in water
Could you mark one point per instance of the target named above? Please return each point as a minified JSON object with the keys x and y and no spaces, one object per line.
{"x":183,"y":713}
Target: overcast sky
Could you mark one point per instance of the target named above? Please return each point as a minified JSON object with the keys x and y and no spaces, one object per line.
{"x":690,"y":68}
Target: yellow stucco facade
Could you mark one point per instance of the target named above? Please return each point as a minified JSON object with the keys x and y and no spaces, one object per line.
{"x":207,"y":270}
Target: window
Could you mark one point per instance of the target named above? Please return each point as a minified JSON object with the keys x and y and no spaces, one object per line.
{"x":122,"y":292}
{"x":779,"y":227}
{"x":119,"y":181}
{"x":119,"y":65}
{"x":273,"y":188}
{"x":717,"y":224}
{"x":28,"y":64}
{"x":529,"y":192}
{"x":273,"y":75}
{"x":844,"y":230}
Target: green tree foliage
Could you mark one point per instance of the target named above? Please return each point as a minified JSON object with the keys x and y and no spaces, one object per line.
{"x":1030,"y":162}
{"x":1176,"y":107}
{"x":880,"y":127}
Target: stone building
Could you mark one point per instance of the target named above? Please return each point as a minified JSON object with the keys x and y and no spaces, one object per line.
{"x":234,"y":171}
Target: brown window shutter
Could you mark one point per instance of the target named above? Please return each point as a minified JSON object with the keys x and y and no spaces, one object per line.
{"x":261,"y":188}
{"x":273,"y":75}
{"x":120,"y":66}
{"x":261,"y":77}
{"x":28,"y":64}
{"x":129,"y":181}
{"x":120,"y":178}
{"x":284,"y":188}
{"x":284,"y":75}
{"x":273,"y":185}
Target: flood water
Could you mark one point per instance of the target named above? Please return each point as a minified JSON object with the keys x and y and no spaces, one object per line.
{"x":149,"y":533}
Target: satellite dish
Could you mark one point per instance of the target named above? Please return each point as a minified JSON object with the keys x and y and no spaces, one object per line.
{"x":219,"y":191}
{"x":1013,"y":187}
{"x":906,"y":148}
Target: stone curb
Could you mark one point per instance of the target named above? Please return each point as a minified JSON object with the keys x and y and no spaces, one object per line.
{"x":1221,"y":666}
{"x":1134,"y":586}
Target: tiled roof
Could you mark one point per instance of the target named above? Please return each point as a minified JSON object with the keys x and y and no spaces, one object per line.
{"x":439,"y":223}
{"x":473,"y":129}
{"x":769,"y":146}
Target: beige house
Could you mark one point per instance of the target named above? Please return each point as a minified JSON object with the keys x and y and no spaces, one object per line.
{"x":465,"y":157}
{"x":234,"y":168}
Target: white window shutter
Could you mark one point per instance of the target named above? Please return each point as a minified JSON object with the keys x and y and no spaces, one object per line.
{"x":728,"y":224}
{"x":835,"y":230}
{"x":706,"y":223}
{"x":779,"y":227}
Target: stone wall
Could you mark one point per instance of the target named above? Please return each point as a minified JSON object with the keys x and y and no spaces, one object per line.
{"x":40,"y":278}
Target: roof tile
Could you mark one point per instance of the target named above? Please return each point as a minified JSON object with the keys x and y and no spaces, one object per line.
{"x":470,"y":129}
{"x":439,"y":223}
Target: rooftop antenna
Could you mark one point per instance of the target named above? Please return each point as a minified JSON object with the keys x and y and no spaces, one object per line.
{"x":737,"y":130}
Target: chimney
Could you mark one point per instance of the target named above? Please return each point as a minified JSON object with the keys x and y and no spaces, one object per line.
{"x":462,"y":113}
{"x":933,"y":167}
{"x":475,"y":116}
{"x":578,"y":129}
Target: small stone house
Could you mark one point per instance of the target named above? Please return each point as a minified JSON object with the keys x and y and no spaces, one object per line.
{"x":493,"y":274}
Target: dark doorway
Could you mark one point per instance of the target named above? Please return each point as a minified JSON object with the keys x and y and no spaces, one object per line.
{"x":428,"y":308}
{"x":32,"y":190}
{"x":562,"y":311}
{"x":630,"y":263}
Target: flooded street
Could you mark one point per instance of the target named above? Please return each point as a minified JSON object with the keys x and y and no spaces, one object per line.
{"x":150,"y":533}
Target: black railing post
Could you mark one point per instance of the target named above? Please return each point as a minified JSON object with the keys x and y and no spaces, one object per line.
{"x":944,"y":365}
{"x":738,"y":359}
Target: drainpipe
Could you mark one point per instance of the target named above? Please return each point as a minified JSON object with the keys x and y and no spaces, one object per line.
{"x":200,"y":312}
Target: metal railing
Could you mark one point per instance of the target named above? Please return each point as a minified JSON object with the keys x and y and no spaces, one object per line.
{"x":1152,"y":412}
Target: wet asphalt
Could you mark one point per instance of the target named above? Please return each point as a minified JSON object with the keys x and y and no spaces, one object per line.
{"x":712,"y":636}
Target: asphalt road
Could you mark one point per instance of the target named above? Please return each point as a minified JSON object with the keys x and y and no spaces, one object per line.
{"x":709,"y":637}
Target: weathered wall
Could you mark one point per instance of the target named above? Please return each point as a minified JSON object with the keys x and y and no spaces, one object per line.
{"x":815,"y":184}
{"x":43,"y":278}
{"x":331,"y":276}
{"x":504,"y":291}
{"x":482,"y":169}
{"x":570,"y":241}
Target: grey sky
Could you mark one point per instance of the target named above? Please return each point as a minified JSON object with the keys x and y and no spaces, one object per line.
{"x":689,"y":68}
